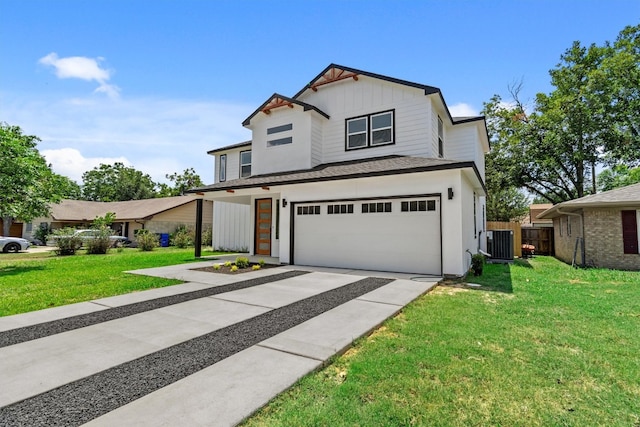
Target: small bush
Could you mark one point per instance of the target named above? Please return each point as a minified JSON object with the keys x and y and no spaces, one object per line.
{"x":147,"y":241}
{"x":42,"y":232}
{"x":234,"y":268}
{"x":256,"y":267}
{"x":100,"y":243}
{"x":261,"y":262}
{"x":227,"y":264}
{"x":207,"y":237}
{"x":66,"y":241}
{"x":216,"y":267}
{"x":477,"y":264}
{"x":242,"y":262}
{"x":182,"y":237}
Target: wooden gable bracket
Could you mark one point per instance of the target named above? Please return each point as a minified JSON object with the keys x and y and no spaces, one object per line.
{"x":333,"y":75}
{"x":276,"y":103}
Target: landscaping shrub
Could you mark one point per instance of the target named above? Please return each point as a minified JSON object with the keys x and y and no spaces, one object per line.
{"x":242,"y":262}
{"x":207,"y":237}
{"x":147,"y":241}
{"x":100,"y":243}
{"x":182,"y":237}
{"x":42,"y":232}
{"x":66,"y":241}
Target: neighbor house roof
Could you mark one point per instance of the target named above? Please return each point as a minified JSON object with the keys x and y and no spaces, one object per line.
{"x":379,"y":166}
{"x":82,"y":210}
{"x":628,"y":196}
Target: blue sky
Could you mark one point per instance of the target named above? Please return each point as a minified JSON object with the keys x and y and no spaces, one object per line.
{"x":156,"y":84}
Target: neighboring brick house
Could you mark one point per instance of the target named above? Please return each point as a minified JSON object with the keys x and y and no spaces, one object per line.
{"x":602,"y":230}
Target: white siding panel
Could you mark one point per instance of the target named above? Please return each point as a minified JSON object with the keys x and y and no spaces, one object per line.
{"x":231,"y":226}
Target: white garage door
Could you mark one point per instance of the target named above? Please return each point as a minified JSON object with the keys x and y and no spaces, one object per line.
{"x":401,"y":235}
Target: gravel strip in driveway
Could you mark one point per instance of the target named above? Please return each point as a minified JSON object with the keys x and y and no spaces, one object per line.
{"x":86,"y":399}
{"x":40,"y":330}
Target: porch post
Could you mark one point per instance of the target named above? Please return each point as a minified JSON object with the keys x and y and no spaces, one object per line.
{"x":198,"y":238}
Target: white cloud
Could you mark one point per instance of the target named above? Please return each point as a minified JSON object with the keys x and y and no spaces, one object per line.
{"x":156,"y":136}
{"x":81,"y":67}
{"x":462,"y":110}
{"x":70,"y":162}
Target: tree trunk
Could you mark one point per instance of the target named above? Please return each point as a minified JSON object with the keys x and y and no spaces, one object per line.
{"x":6,"y":225}
{"x":593,"y":178}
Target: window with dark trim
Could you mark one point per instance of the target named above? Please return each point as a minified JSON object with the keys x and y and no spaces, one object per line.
{"x":475,"y":217}
{"x":376,"y":207}
{"x":245,"y":164}
{"x":308,"y":210}
{"x":282,"y":140}
{"x":222,"y":173}
{"x":418,"y":206}
{"x":370,"y":130}
{"x":277,"y":219}
{"x":440,"y":137}
{"x":340,"y":209}
{"x":630,"y":232}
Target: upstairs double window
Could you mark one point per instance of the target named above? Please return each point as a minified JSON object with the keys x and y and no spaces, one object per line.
{"x":370,"y":130}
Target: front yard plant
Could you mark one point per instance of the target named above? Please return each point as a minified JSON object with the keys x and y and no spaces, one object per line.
{"x":66,"y":241}
{"x":146,"y":241}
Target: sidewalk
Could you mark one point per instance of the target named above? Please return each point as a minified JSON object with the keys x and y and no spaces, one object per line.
{"x":177,"y":365}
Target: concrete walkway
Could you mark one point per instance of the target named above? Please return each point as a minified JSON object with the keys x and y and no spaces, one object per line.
{"x":224,"y":393}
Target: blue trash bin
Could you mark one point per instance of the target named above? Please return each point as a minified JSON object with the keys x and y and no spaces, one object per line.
{"x":164,"y":240}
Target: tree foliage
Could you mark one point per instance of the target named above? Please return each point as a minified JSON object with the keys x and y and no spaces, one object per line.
{"x":117,"y":182}
{"x":618,"y":176}
{"x":591,"y":118}
{"x":27,"y":184}
{"x":181,"y":183}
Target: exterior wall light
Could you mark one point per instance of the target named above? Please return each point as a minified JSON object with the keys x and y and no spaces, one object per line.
{"x":450,"y":192}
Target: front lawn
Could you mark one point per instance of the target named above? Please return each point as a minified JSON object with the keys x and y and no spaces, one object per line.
{"x":541,"y":344}
{"x":34,"y":281}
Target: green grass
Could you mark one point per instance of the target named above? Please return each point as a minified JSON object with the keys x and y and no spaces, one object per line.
{"x":34,"y":281}
{"x":541,"y":344}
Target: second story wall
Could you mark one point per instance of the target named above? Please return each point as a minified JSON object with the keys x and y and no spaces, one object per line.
{"x":410,"y":107}
{"x":462,"y":143}
{"x":231,"y":160}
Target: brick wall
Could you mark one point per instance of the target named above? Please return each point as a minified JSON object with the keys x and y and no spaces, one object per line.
{"x":566,"y":228}
{"x":603,"y":242}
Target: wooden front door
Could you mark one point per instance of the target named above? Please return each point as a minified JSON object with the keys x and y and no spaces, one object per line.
{"x":263,"y":227}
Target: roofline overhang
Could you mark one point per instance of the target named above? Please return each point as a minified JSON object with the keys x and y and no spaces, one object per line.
{"x":293,"y":101}
{"x":238,"y":185}
{"x":229,"y":147}
{"x":562,"y":208}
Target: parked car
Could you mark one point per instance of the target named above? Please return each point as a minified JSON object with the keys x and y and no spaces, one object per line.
{"x":13,"y":244}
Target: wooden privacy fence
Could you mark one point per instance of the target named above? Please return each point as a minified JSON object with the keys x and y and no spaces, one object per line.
{"x":517,"y":233}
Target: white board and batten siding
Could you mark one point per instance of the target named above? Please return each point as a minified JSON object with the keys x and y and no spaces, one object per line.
{"x":345,"y":100}
{"x":231,"y":226}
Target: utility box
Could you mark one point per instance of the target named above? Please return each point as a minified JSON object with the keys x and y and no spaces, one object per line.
{"x":500,"y":244}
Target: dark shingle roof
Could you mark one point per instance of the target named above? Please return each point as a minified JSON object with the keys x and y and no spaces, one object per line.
{"x":388,"y":165}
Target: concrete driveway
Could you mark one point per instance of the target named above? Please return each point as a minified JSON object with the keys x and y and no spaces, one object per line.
{"x":208,"y":352}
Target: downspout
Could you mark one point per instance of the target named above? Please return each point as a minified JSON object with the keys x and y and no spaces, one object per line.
{"x":581,"y":216}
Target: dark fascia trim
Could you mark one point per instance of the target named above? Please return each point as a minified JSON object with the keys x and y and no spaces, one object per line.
{"x":428,"y":90}
{"x":459,"y":165}
{"x":304,"y":105}
{"x":229,"y":147}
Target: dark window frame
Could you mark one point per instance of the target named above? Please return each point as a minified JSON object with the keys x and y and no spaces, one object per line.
{"x":242,"y":174}
{"x":369,"y":130}
{"x":630,"y":243}
{"x":222,"y":173}
{"x":440,"y":137}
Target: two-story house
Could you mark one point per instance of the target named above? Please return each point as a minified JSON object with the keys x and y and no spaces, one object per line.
{"x":356,"y":170}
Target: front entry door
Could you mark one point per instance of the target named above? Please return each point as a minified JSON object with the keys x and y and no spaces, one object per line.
{"x":263,"y":227}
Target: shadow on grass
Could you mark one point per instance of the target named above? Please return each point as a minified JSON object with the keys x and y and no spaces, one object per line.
{"x":13,"y":270}
{"x":495,"y":278}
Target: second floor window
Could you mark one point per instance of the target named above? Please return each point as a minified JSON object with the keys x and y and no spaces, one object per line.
{"x":222,"y":173}
{"x":370,"y":131}
{"x":245,"y":164}
{"x":440,"y":137}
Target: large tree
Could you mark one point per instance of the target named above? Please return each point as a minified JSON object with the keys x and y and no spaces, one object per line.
{"x":27,"y":184}
{"x":117,"y":182}
{"x":181,"y":183}
{"x":553,"y":147}
{"x":618,"y":176}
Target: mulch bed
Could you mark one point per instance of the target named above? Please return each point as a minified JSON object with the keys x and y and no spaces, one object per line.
{"x":227,"y":270}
